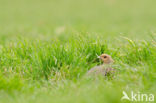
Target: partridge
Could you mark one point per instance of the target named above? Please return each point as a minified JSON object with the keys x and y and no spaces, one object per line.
{"x":105,"y":69}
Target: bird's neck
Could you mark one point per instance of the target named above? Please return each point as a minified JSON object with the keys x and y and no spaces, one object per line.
{"x":106,"y":65}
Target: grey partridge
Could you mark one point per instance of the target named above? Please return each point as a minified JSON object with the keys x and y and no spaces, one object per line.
{"x":105,"y":69}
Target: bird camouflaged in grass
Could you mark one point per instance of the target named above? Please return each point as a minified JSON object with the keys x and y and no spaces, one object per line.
{"x":103,"y":70}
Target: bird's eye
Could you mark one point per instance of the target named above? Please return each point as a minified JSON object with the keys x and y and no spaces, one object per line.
{"x":105,"y":56}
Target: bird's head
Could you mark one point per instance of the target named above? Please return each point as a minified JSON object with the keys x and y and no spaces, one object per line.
{"x":106,"y":59}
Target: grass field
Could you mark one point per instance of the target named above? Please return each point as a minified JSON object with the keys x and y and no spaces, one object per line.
{"x":47,"y":46}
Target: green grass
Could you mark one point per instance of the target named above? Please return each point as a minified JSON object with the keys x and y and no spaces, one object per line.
{"x":46,"y":48}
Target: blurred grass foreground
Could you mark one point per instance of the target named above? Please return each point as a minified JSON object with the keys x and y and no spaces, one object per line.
{"x":47,"y":46}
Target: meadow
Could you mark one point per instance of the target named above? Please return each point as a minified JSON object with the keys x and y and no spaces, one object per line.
{"x":46,"y":48}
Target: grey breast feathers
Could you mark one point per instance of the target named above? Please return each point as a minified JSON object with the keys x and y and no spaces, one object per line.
{"x":100,"y":70}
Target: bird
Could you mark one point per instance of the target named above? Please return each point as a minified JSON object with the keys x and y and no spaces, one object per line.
{"x":103,"y":70}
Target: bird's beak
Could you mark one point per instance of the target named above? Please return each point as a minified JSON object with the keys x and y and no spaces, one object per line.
{"x":98,"y":57}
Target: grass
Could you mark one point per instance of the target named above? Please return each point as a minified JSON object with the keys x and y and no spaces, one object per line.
{"x":46,"y":48}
